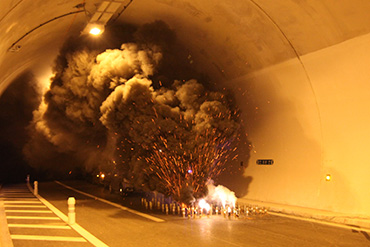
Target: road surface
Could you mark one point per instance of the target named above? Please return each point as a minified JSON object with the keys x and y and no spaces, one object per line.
{"x":110,"y":219}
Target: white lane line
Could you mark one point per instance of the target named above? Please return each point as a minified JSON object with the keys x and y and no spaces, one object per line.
{"x":113,"y":204}
{"x":80,"y":230}
{"x":39,"y":226}
{"x":16,"y":191}
{"x":29,"y":211}
{"x":25,"y":206}
{"x":17,"y":197}
{"x":357,"y":228}
{"x":31,"y":218}
{"x":4,"y":232}
{"x":17,"y":194}
{"x":24,"y":201}
{"x":47,"y":238}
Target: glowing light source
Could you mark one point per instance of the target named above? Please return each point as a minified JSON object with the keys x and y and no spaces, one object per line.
{"x":328,"y":177}
{"x":204,"y":205}
{"x":103,"y":15}
{"x":95,"y":31}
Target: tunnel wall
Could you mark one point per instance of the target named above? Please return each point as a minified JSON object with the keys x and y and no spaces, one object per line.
{"x":300,"y":79}
{"x":312,"y":119}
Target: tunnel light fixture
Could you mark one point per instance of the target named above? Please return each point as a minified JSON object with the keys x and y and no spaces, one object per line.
{"x":103,"y":14}
{"x":328,"y":177}
{"x":95,"y":29}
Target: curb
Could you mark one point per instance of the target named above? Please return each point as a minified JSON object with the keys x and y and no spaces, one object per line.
{"x":5,"y":239}
{"x":354,"y":222}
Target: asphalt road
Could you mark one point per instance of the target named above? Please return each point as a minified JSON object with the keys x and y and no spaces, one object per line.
{"x":120,"y":228}
{"x":32,"y":224}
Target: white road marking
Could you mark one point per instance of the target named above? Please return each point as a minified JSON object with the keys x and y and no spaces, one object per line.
{"x":18,"y":199}
{"x":29,"y":211}
{"x":356,"y":228}
{"x":80,"y":230}
{"x":47,"y":238}
{"x":4,"y":234}
{"x":39,"y":226}
{"x":113,"y":204}
{"x":16,"y":194}
{"x":28,"y":201}
{"x":16,"y":191}
{"x":31,"y":218}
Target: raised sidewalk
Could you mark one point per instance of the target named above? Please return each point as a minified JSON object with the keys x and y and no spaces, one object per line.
{"x":355,"y":221}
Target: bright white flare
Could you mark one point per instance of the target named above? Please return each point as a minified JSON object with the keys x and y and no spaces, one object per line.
{"x":204,"y":205}
{"x":221,"y":195}
{"x":95,"y":31}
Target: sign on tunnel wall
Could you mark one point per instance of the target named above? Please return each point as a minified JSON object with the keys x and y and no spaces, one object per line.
{"x":265,"y":162}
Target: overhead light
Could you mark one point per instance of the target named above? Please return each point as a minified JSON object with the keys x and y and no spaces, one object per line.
{"x":103,"y":14}
{"x":94,"y":29}
{"x":328,"y":177}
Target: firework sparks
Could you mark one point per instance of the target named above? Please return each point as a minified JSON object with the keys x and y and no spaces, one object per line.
{"x":102,"y":109}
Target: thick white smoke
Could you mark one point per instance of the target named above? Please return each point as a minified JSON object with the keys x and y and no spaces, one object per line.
{"x":102,"y":108}
{"x":220,"y":195}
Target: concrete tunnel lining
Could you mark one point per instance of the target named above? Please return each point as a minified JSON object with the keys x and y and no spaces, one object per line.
{"x":299,"y":71}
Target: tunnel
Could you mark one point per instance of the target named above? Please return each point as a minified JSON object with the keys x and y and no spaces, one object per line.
{"x":299,"y":72}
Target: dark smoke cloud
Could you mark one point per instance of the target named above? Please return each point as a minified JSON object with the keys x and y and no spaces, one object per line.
{"x":116,"y":108}
{"x":16,"y":106}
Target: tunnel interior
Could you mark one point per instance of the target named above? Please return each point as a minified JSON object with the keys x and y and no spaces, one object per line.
{"x":297,"y":71}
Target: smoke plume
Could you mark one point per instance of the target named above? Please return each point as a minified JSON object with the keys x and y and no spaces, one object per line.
{"x":109,"y":110}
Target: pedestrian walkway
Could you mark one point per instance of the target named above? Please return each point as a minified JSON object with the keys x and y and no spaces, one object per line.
{"x":342,"y":220}
{"x":31,"y":223}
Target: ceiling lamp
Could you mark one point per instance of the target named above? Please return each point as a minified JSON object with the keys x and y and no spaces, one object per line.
{"x":104,"y":13}
{"x":95,"y":28}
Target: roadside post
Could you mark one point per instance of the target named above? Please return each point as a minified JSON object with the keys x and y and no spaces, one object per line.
{"x":71,"y":210}
{"x":35,"y":188}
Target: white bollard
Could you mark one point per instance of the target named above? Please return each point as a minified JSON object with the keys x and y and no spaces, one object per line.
{"x":35,"y":188}
{"x":71,"y":210}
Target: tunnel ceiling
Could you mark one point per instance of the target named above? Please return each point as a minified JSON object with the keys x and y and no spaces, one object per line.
{"x":297,"y":68}
{"x":225,"y":39}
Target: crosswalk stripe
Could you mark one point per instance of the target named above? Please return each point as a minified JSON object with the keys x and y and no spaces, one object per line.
{"x":16,"y":191}
{"x":17,"y":197}
{"x":39,"y":226}
{"x":25,"y":202}
{"x":29,"y":211}
{"x":47,"y":238}
{"x":25,"y":206}
{"x":31,"y":198}
{"x":32,"y":218}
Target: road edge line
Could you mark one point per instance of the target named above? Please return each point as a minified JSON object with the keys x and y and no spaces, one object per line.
{"x":4,"y":230}
{"x":79,"y":229}
{"x":113,"y":204}
{"x":328,"y":223}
